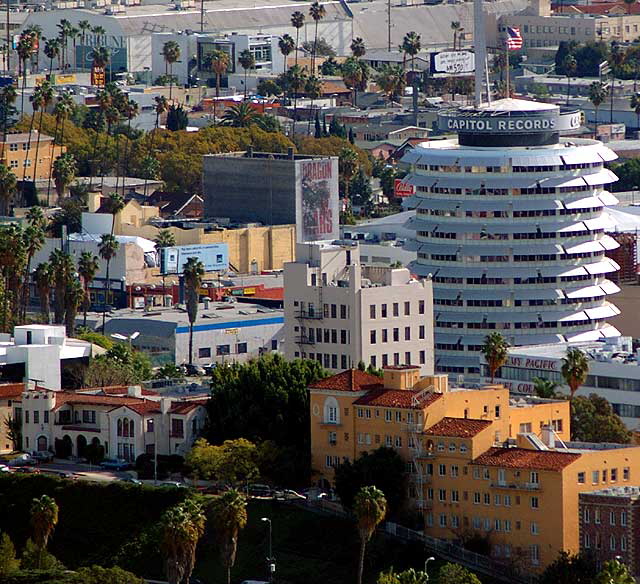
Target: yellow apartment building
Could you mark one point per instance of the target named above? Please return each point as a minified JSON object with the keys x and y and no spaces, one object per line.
{"x":479,"y":462}
{"x":19,"y":151}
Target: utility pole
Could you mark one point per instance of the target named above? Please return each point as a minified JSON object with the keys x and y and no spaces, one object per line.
{"x":201,"y":15}
{"x":388,"y":25}
{"x":8,"y":40}
{"x":480,"y":46}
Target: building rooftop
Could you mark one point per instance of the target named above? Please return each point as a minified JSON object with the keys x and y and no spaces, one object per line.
{"x":11,"y":390}
{"x":21,"y":137}
{"x":552,"y":460}
{"x":398,"y":398}
{"x":350,"y":380}
{"x":631,"y":491}
{"x":458,"y":427}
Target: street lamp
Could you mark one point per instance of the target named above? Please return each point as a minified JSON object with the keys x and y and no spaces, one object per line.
{"x":271,"y":562}
{"x":431,"y":559}
{"x":123,"y":338}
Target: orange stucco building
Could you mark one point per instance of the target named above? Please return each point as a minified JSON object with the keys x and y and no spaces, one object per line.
{"x":19,"y":150}
{"x":479,"y":462}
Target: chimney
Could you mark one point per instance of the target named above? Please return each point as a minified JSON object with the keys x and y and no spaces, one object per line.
{"x":400,"y":377}
{"x":165,"y":405}
{"x":134,"y":391}
{"x":547,"y":436}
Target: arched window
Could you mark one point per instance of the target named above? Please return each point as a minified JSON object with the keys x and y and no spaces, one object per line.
{"x":131,"y":428}
{"x":331,"y":411}
{"x":119,"y":427}
{"x":125,"y":428}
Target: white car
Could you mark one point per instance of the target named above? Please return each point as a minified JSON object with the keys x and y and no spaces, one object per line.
{"x":4,"y":468}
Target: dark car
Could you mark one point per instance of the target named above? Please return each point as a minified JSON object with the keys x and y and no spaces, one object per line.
{"x":27,"y":470}
{"x":260,"y":491}
{"x":131,"y":480}
{"x":114,"y":464}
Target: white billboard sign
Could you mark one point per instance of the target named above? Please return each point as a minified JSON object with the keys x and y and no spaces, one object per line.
{"x":317,"y":200}
{"x":453,"y":62}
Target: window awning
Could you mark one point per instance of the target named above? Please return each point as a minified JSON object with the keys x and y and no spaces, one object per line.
{"x":606,"y":311}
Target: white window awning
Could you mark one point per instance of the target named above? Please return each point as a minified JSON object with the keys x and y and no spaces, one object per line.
{"x":606,"y":311}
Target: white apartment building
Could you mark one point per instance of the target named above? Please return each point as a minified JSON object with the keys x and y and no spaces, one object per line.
{"x":124,"y":422}
{"x":340,"y":312}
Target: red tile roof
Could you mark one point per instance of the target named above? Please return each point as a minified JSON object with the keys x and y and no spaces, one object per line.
{"x":349,"y":380}
{"x":458,"y":427}
{"x":70,"y":397}
{"x":400,"y":367}
{"x":397,"y":398}
{"x":527,"y":459}
{"x":11,"y":390}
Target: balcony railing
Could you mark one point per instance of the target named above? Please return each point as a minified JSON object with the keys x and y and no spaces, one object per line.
{"x":304,"y":340}
{"x":309,"y":314}
{"x":516,"y":486}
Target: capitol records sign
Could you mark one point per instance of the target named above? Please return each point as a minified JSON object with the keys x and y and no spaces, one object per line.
{"x":452,"y":62}
{"x":317,"y":211}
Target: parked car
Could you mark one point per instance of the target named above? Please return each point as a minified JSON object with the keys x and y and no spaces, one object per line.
{"x":174,"y":484}
{"x":4,"y":468}
{"x":42,"y":456}
{"x":21,"y":460}
{"x":27,"y":470}
{"x":190,"y":369}
{"x":131,"y":480}
{"x":288,"y":495}
{"x":115,"y":464}
{"x":260,"y":491}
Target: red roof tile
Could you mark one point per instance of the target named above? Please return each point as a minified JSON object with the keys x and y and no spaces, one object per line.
{"x":11,"y":390}
{"x":349,"y":380}
{"x":458,"y":427}
{"x":400,"y":367}
{"x":527,"y":459}
{"x":70,"y":397}
{"x":397,"y":398}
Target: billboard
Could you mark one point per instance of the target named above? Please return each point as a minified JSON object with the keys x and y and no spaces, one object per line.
{"x":452,"y":62}
{"x":317,"y":199}
{"x":402,"y":188}
{"x":214,"y":257}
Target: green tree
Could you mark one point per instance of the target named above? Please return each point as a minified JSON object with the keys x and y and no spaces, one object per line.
{"x":35,"y":558}
{"x":569,"y":569}
{"x":287,"y":45}
{"x":171,"y":54}
{"x":88,"y":267}
{"x":358,"y":47}
{"x":233,"y":462}
{"x":544,"y":388}
{"x":383,"y":468}
{"x":411,"y":46}
{"x":45,"y":98}
{"x":370,"y":508}
{"x":317,"y":12}
{"x":62,"y":269}
{"x":297,"y":21}
{"x":455,"y":27}
{"x":44,"y":518}
{"x":597,"y":94}
{"x":101,"y":575}
{"x":33,"y":240}
{"x":52,"y":50}
{"x":495,"y":350}
{"x":570,"y":68}
{"x":164,"y":239}
{"x":391,"y":80}
{"x":177,"y":118}
{"x":169,"y":371}
{"x":219,"y":65}
{"x":614,"y":572}
{"x":593,"y":420}
{"x":575,"y":369}
{"x":456,"y":574}
{"x":74,"y":296}
{"x":9,"y":563}
{"x":409,"y":576}
{"x":85,"y":28}
{"x":347,"y":164}
{"x":64,"y":171}
{"x":107,"y":249}
{"x":228,"y":515}
{"x":241,"y":115}
{"x":193,"y":272}
{"x":247,"y":61}
{"x":355,"y":75}
{"x":43,"y":277}
{"x":182,"y":527}
{"x":8,"y":184}
{"x":13,"y":430}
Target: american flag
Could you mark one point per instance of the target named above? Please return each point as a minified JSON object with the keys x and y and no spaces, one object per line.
{"x":514,"y":38}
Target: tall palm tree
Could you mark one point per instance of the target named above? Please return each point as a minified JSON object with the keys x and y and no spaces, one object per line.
{"x":193,"y":272}
{"x":88,"y":267}
{"x":12,"y":258}
{"x":296,"y":79}
{"x":575,"y":369}
{"x":62,"y":270}
{"x":348,"y":164}
{"x":297,"y":21}
{"x":8,"y":96}
{"x":64,"y":32}
{"x":44,"y":518}
{"x":107,"y":249}
{"x":313,"y":90}
{"x":228,"y":515}
{"x":164,"y":239}
{"x":495,"y":351}
{"x":74,"y":297}
{"x":36,"y":99}
{"x":74,"y":33}
{"x":161,"y":106}
{"x":112,"y":115}
{"x":52,"y":51}
{"x":247,"y":61}
{"x":131,"y":111}
{"x":100,"y":33}
{"x":35,"y":30}
{"x":286,"y":44}
{"x":85,"y":27}
{"x":317,"y":12}
{"x":62,"y":110}
{"x":100,"y":56}
{"x":411,"y":46}
{"x":24,"y":49}
{"x":33,"y":238}
{"x":544,"y":388}
{"x":355,"y":75}
{"x":241,"y":115}
{"x":391,"y":80}
{"x":219,"y":65}
{"x":455,"y":27}
{"x":43,"y":277}
{"x":8,"y":184}
{"x":370,"y":507}
{"x":35,"y":217}
{"x":570,"y":67}
{"x":171,"y":54}
{"x":597,"y":94}
{"x":115,"y":203}
{"x":46,"y":97}
{"x":182,"y":526}
{"x":64,"y":171}
{"x":635,"y":106}
{"x":358,"y":48}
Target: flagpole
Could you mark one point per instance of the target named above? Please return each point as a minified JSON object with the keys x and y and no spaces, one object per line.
{"x":506,"y":65}
{"x":480,"y":49}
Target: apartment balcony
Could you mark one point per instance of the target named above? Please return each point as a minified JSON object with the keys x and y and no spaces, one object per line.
{"x":309,"y":314}
{"x":511,"y":486}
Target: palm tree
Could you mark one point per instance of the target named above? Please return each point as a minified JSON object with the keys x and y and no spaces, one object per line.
{"x":112,"y":115}
{"x":182,"y":526}
{"x":355,"y":75}
{"x":161,"y":106}
{"x":570,"y":67}
{"x":171,"y":54}
{"x":88,"y":267}
{"x":219,"y":65}
{"x":100,"y":33}
{"x":597,"y":94}
{"x":391,"y":80}
{"x":317,"y":12}
{"x":8,"y":183}
{"x":131,"y":110}
{"x":62,"y":270}
{"x":85,"y":27}
{"x":12,"y":259}
{"x":455,"y":27}
{"x":247,"y":61}
{"x":370,"y":507}
{"x":544,"y":388}
{"x":296,"y":80}
{"x":35,"y":217}
{"x":74,"y":298}
{"x":35,"y":30}
{"x":64,"y":171}
{"x":241,"y":115}
{"x":33,"y":237}
{"x":313,"y":90}
{"x":193,"y":272}
{"x":8,"y":96}
{"x":24,"y":49}
{"x":44,"y":518}
{"x":115,"y":203}
{"x":411,"y":46}
{"x":286,"y":44}
{"x":46,"y":97}
{"x":164,"y":239}
{"x":107,"y":248}
{"x":635,"y":106}
{"x":228,"y":515}
{"x":43,"y":284}
{"x":36,"y":99}
{"x":74,"y":32}
{"x":495,"y":351}
{"x":348,"y":164}
{"x":575,"y":369}
{"x":358,"y":48}
{"x":100,"y":56}
{"x":297,"y":21}
{"x":52,"y":51}
{"x":62,"y":110}
{"x":64,"y":30}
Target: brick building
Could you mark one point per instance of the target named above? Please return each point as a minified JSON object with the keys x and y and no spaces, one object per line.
{"x":609,"y":521}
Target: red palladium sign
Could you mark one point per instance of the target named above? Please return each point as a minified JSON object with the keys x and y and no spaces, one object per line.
{"x":320,"y":170}
{"x":403,"y":189}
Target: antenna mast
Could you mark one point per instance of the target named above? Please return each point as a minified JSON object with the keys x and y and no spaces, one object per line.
{"x":480,"y":47}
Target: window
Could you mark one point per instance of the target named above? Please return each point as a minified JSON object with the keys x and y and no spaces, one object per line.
{"x":388,"y":441}
{"x":485,"y":474}
{"x":534,"y":551}
{"x":463,"y":447}
{"x":407,"y":333}
{"x":587,"y":541}
{"x":507,"y":525}
{"x":586,"y":515}
{"x":595,"y":477}
{"x":204,"y":352}
{"x":222,"y":350}
{"x":333,"y":438}
{"x":455,"y":521}
{"x":150,"y":426}
{"x":443,"y":520}
{"x":455,"y":496}
{"x":372,"y":311}
{"x":177,"y":428}
{"x":407,"y":308}
{"x":387,"y":415}
{"x":497,"y":500}
{"x":533,"y":478}
{"x":383,"y":311}
{"x":36,"y":417}
{"x":497,"y":411}
{"x":612,"y":542}
{"x":396,"y":335}
{"x":421,"y":332}
{"x":535,"y":503}
{"x":241,"y":348}
{"x":507,"y":500}
{"x":89,"y":416}
{"x":581,"y":478}
{"x":331,"y":411}
{"x":487,"y":499}
{"x":442,"y":470}
{"x":396,"y":311}
{"x":476,"y":472}
{"x":626,"y":473}
{"x":604,"y":476}
{"x":422,"y":357}
{"x":623,"y":543}
{"x":623,"y":518}
{"x":398,"y":442}
{"x":596,"y":516}
{"x":343,"y":311}
{"x":334,"y":311}
{"x":421,"y":307}
{"x":373,"y":337}
{"x":26,"y":416}
{"x":46,"y":415}
{"x":497,"y":525}
{"x":534,"y":528}
{"x":614,"y":475}
{"x":442,"y":495}
{"x":454,"y":470}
